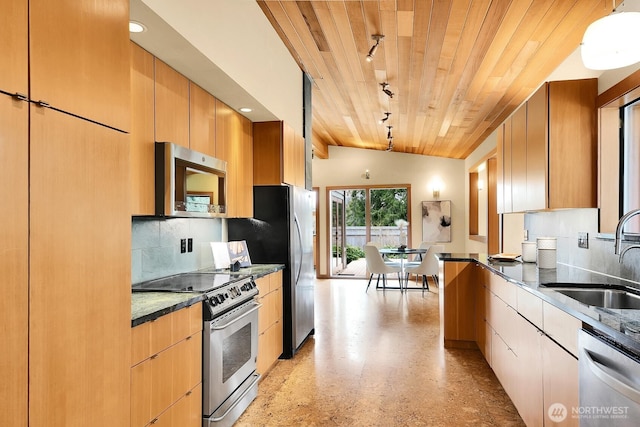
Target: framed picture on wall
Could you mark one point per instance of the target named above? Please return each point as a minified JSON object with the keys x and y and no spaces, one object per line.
{"x":436,"y":221}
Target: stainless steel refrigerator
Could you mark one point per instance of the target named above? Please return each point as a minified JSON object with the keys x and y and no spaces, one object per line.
{"x":281,"y":232}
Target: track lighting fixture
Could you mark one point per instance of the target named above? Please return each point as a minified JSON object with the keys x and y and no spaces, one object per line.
{"x":385,"y":118}
{"x":385,"y":89}
{"x":390,"y":147}
{"x":389,"y":132}
{"x":378,"y":38}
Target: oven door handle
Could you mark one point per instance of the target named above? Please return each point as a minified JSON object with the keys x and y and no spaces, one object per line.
{"x":600,"y":371}
{"x":235,"y":319}
{"x":238,"y":400}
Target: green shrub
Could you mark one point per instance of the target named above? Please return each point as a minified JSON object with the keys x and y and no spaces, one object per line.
{"x":354,"y":253}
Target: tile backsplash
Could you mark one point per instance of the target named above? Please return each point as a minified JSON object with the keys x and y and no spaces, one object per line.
{"x":155,"y":246}
{"x":565,"y":226}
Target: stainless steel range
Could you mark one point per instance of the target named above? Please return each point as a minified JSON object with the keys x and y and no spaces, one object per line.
{"x":229,"y":340}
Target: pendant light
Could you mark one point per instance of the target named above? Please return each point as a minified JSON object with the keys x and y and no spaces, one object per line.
{"x":612,"y":42}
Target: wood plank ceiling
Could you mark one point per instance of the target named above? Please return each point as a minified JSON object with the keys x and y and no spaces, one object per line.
{"x":457,"y":68}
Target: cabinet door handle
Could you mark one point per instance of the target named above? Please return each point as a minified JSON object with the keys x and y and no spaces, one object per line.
{"x":154,"y":356}
{"x":43,"y":104}
{"x":153,"y":421}
{"x":20,"y":96}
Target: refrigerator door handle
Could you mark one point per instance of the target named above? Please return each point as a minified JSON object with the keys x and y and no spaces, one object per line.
{"x":300,"y":254}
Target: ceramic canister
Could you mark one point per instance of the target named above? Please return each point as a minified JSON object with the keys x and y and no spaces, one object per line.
{"x":547,"y":243}
{"x":546,"y":258}
{"x":528,"y":251}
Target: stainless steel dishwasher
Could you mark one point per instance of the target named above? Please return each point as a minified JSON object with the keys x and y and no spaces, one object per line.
{"x":609,"y":383}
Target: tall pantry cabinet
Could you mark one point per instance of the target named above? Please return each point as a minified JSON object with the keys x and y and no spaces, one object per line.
{"x":65,"y":311}
{"x":14,"y":214}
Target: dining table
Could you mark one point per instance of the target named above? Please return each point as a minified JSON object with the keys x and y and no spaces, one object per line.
{"x":404,"y":253}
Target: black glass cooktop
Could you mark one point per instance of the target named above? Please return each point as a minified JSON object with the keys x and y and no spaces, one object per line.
{"x":186,"y":282}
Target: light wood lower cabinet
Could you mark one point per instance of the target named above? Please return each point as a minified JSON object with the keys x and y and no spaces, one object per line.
{"x":529,"y":343}
{"x":269,"y":321}
{"x":167,"y":370}
{"x":457,"y":300}
{"x":560,"y":381}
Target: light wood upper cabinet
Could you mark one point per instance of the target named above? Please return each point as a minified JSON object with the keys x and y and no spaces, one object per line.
{"x":14,"y":77}
{"x":572,"y":144}
{"x":79,"y":58}
{"x":80,"y":291}
{"x":202,"y":120}
{"x":279,"y":153}
{"x":519,"y":155}
{"x":232,"y":138}
{"x":245,"y":168}
{"x":172,"y":105}
{"x":504,"y":199}
{"x":536,"y":138}
{"x":168,"y":107}
{"x":14,"y":235}
{"x":142,"y":132}
{"x":557,"y":165}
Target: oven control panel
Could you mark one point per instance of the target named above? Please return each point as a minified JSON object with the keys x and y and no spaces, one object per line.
{"x":229,"y":296}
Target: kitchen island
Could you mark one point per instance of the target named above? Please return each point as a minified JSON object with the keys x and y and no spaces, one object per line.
{"x":618,"y":324}
{"x":527,"y":332}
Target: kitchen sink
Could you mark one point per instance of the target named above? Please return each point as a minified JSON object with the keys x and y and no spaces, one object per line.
{"x":608,"y":296}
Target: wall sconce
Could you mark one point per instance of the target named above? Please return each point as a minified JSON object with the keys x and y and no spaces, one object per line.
{"x":378,"y":38}
{"x":435,"y":187}
{"x":366,"y":174}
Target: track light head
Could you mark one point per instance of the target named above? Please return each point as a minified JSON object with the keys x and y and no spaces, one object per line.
{"x":385,"y":89}
{"x":389,"y":132}
{"x":385,"y":118}
{"x":378,"y":38}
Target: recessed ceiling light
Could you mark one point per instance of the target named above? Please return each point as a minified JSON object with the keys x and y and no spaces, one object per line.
{"x":136,"y":27}
{"x":246,"y":110}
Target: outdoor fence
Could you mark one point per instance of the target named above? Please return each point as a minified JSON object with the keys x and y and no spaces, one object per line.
{"x":386,"y":236}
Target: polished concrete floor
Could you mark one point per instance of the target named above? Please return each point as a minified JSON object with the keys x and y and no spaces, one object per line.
{"x":377,"y":359}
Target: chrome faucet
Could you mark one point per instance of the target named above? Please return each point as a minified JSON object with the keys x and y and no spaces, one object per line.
{"x":619,"y":230}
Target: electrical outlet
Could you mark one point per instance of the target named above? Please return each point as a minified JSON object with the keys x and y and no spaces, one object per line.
{"x":189,"y":245}
{"x":183,"y":246}
{"x":583,"y":240}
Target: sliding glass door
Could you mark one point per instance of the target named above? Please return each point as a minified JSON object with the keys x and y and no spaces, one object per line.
{"x":360,"y":215}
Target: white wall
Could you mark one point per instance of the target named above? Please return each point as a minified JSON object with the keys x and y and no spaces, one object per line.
{"x":346,"y":167}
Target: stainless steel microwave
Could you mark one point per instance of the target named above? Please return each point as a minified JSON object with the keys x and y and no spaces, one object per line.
{"x":189,"y":183}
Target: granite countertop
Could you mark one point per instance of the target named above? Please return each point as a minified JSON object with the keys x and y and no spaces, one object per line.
{"x":611,"y":322}
{"x":147,"y":306}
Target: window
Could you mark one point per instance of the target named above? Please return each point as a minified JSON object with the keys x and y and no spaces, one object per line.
{"x":630,"y":172}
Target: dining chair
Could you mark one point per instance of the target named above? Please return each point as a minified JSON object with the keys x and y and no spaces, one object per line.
{"x":418,"y":257}
{"x":427,"y":267}
{"x":376,"y":265}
